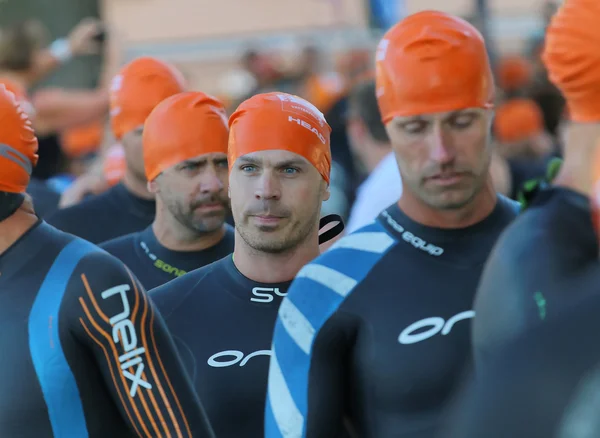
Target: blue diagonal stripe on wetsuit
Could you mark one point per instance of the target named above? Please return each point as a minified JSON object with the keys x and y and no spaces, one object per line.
{"x":58,"y":384}
{"x":317,"y":292}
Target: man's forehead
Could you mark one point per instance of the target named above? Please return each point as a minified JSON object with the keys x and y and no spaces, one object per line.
{"x":440,"y":115}
{"x":273,"y":157}
{"x":207,"y":157}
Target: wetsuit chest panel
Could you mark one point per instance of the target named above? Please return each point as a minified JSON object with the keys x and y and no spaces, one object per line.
{"x":224,"y":339}
{"x":413,"y":343}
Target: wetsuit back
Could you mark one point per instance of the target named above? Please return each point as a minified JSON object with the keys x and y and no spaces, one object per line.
{"x":154,"y":265}
{"x":377,"y":329}
{"x":84,"y":353}
{"x":545,"y":383}
{"x":112,"y":214}
{"x":537,"y":270}
{"x":222,"y":323}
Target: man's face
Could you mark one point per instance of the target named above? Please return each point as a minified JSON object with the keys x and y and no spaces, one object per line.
{"x":195,"y":192}
{"x":276,"y":199}
{"x":443,"y":158}
{"x":134,"y":153}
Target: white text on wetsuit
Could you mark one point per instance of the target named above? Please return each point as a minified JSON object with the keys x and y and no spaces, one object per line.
{"x":410,"y":238}
{"x":124,"y":332}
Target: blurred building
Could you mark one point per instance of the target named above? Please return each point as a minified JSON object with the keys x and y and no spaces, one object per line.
{"x":205,"y":38}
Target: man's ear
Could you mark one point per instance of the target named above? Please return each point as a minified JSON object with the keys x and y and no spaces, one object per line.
{"x":153,"y":187}
{"x":325,"y":193}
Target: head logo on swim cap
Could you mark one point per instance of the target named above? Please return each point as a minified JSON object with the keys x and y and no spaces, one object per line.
{"x":273,"y":121}
{"x":432,"y":62}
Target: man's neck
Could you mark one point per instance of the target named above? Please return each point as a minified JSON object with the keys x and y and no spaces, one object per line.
{"x":580,"y":157}
{"x":13,"y":227}
{"x":138,"y":187}
{"x":475,"y":211}
{"x":273,"y":268}
{"x":176,"y":238}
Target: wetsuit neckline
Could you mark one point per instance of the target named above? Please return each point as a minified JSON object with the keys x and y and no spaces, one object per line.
{"x":241,"y":286}
{"x":395,"y":215}
{"x":135,"y":205}
{"x":19,"y":249}
{"x":153,"y":249}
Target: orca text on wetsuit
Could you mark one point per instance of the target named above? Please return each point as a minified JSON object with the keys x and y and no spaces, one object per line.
{"x":278,"y":180}
{"x":377,"y":329}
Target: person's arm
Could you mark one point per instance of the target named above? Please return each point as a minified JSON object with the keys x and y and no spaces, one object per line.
{"x":59,"y":109}
{"x":110,"y":314}
{"x":81,"y":41}
{"x":307,"y":375}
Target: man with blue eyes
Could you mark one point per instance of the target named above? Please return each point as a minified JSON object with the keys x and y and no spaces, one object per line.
{"x":222,"y":315}
{"x":185,"y":161}
{"x":375,"y":333}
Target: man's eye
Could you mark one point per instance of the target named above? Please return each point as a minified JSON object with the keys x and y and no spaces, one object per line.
{"x":463,"y":121}
{"x":248,"y":168}
{"x":415,"y":127}
{"x":290,"y":170}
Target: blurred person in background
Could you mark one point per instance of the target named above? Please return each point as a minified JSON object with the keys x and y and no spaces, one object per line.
{"x":73,"y":377}
{"x":185,"y":159}
{"x":547,"y":260}
{"x":128,"y":206}
{"x":522,"y":140}
{"x":513,"y":75}
{"x":24,"y":60}
{"x":377,"y":329}
{"x":279,"y":161}
{"x":371,"y":146}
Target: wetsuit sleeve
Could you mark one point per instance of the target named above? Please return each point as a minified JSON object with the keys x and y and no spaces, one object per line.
{"x":108,"y":312}
{"x":308,"y":371}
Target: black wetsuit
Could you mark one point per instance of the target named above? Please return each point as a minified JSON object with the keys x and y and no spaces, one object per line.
{"x":537,"y":270}
{"x":545,"y":384}
{"x":112,"y":214}
{"x":45,"y":200}
{"x":154,"y":265}
{"x":222,"y":323}
{"x":377,"y":329}
{"x":84,"y":353}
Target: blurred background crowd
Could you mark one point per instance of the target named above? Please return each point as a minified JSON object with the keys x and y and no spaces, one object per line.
{"x":322,"y":50}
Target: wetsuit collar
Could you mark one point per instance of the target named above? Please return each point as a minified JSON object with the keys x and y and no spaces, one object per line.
{"x":180,"y":262}
{"x":249,"y":290}
{"x":135,"y":205}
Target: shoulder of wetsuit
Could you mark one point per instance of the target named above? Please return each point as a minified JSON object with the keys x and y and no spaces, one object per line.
{"x":532,"y":188}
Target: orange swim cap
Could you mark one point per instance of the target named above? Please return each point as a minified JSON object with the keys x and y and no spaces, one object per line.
{"x":276,"y":120}
{"x":137,"y":89}
{"x":114,"y":164}
{"x":432,"y":62}
{"x":82,"y":140}
{"x":182,"y":127}
{"x":518,"y":120}
{"x":572,"y":57}
{"x":514,"y":72}
{"x":18,"y":145}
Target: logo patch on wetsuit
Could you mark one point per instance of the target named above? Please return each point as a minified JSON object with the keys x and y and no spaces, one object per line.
{"x":266,"y":294}
{"x":124,"y":333}
{"x":414,"y":333}
{"x":230,"y":358}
